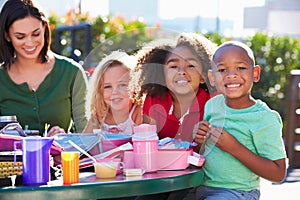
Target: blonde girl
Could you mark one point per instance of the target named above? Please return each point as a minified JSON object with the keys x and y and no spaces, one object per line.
{"x":112,"y":106}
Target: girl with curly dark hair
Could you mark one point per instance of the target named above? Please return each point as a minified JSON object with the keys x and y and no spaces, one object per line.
{"x":173,"y":79}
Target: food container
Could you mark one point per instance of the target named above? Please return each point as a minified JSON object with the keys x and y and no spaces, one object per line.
{"x":9,"y":169}
{"x":112,"y":141}
{"x":4,"y":120}
{"x":86,"y":162}
{"x":167,"y":159}
{"x":109,"y":142}
{"x":27,"y":132}
{"x":106,"y":169}
{"x":32,"y":132}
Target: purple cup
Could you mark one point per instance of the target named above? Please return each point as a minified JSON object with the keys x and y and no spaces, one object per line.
{"x":35,"y":160}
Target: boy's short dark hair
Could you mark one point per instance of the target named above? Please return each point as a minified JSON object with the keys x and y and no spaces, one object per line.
{"x":243,"y":46}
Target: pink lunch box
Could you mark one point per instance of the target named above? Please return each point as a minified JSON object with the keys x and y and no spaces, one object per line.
{"x":168,"y":159}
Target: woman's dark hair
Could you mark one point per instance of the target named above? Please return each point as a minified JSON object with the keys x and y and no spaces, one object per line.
{"x":14,"y":10}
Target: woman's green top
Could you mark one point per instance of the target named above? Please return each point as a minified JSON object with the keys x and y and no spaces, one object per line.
{"x":59,"y":100}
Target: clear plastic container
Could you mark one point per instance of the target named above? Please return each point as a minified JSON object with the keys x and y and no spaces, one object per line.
{"x":4,"y":120}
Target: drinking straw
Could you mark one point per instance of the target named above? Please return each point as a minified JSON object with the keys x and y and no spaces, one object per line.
{"x":82,"y":151}
{"x":46,"y":129}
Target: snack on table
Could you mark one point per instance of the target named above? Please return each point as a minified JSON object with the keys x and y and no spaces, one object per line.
{"x":8,"y":169}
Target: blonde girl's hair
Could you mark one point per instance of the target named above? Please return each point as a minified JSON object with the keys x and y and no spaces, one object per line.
{"x":96,"y":106}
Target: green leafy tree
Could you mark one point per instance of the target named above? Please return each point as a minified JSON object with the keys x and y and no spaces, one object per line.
{"x":107,"y":34}
{"x":277,"y":56}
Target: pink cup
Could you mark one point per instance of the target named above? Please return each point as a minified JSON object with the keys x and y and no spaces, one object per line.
{"x":146,"y":161}
{"x":145,"y":154}
{"x":145,"y":146}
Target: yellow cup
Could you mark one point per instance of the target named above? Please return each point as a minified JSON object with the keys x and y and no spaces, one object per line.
{"x":70,"y":167}
{"x":106,"y":169}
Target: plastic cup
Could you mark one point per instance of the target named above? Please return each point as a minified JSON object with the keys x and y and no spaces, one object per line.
{"x":70,"y":167}
{"x":146,"y":161}
{"x":36,"y":159}
{"x":145,"y":146}
{"x":145,"y":154}
{"x":106,"y":169}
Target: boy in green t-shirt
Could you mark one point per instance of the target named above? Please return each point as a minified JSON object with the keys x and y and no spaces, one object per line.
{"x":241,"y":136}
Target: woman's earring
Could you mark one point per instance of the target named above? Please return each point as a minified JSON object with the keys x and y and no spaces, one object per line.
{"x":8,"y":40}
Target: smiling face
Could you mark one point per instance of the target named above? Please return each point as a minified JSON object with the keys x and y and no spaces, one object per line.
{"x":27,"y":37}
{"x":115,"y":88}
{"x":233,"y":74}
{"x":183,"y":72}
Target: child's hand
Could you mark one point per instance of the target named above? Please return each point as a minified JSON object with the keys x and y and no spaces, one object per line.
{"x":201,"y":132}
{"x":137,"y":115}
{"x":223,"y":140}
{"x":55,"y":130}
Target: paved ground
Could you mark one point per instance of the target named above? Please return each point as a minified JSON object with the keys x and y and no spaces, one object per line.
{"x":289,"y":189}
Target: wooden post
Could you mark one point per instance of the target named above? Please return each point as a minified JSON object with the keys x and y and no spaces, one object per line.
{"x":293,"y":120}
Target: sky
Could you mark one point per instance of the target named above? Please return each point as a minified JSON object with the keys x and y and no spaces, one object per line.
{"x":167,"y":9}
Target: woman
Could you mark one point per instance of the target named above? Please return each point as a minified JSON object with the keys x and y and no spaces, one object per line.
{"x":37,"y":85}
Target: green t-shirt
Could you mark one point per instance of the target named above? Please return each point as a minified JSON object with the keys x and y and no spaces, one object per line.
{"x":257,"y":127}
{"x":59,"y":100}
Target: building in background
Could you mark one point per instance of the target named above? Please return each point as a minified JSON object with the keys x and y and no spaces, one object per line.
{"x":279,"y":17}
